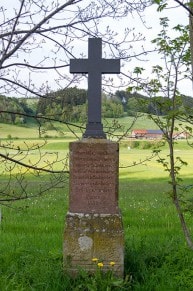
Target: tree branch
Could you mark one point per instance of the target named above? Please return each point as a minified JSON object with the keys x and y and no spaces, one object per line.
{"x":184,"y":6}
{"x":34,"y":29}
{"x":6,"y":157}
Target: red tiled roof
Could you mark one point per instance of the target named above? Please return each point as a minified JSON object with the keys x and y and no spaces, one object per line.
{"x":141,"y":131}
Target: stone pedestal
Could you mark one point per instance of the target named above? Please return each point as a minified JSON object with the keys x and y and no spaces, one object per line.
{"x":93,"y":224}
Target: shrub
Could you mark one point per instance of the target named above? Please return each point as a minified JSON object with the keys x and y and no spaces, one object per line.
{"x":135,"y":144}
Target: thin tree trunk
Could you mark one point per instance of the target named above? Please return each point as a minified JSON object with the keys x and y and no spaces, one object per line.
{"x":176,"y":199}
{"x":183,"y":223}
{"x":175,"y":193}
{"x":177,"y":203}
{"x":191,"y":34}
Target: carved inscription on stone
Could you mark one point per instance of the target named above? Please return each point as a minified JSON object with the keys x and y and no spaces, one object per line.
{"x":94,"y":177}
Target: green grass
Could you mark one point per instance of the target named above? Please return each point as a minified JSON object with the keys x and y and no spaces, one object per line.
{"x":142,"y":122}
{"x":14,"y":131}
{"x":156,"y":255}
{"x":31,"y":131}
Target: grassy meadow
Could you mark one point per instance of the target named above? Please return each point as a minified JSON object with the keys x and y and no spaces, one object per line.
{"x":156,"y":255}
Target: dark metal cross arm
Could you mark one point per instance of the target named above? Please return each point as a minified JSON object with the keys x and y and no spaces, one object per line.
{"x":79,"y":66}
{"x":110,"y":66}
{"x":105,"y":66}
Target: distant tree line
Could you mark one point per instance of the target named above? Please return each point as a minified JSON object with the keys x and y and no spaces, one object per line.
{"x":70,"y":105}
{"x":135,"y":102}
{"x":10,"y":106}
{"x":65,"y":105}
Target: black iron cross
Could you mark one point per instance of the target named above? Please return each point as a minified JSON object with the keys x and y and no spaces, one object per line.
{"x":94,"y":66}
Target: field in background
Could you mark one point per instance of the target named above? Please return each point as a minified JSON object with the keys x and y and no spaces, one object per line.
{"x":30,"y":130}
{"x":156,"y":256}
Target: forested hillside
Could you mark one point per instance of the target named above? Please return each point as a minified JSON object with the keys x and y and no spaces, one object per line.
{"x":70,"y":105}
{"x":66,"y":105}
{"x":134,"y":102}
{"x":10,"y":106}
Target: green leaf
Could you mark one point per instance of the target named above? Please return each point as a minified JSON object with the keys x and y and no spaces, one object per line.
{"x":138,"y":70}
{"x":130,"y":89}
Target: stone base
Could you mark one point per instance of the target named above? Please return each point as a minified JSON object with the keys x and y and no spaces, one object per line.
{"x":89,"y":236}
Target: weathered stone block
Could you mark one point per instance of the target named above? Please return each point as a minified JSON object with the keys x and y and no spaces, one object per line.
{"x":94,"y":165}
{"x":89,"y":236}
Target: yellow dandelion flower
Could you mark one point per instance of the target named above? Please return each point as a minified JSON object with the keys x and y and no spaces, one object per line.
{"x":100,"y":265}
{"x":112,"y":264}
{"x":94,"y":260}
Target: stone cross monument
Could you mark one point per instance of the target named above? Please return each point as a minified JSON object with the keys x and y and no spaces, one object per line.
{"x":93,"y":223}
